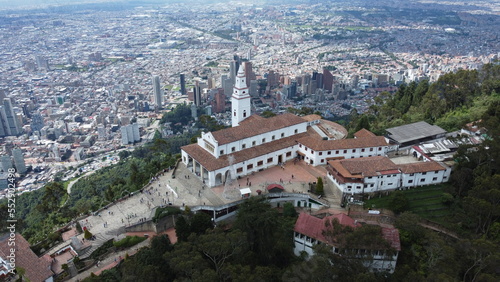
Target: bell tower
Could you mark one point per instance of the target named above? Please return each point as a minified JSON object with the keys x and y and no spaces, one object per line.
{"x":240,"y":100}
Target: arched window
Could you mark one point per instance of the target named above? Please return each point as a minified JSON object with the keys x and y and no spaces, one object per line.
{"x":244,"y":113}
{"x":234,"y":113}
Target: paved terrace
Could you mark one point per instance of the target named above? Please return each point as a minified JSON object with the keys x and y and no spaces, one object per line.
{"x":185,"y":189}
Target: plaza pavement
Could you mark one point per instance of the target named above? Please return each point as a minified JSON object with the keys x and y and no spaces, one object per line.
{"x":188,"y":190}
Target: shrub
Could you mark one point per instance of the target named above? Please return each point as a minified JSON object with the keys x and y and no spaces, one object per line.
{"x":398,"y":202}
{"x":129,"y":241}
{"x":319,"y":187}
{"x":87,"y":235}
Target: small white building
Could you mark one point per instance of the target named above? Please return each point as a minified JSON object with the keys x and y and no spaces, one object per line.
{"x":310,"y":231}
{"x":379,"y":173}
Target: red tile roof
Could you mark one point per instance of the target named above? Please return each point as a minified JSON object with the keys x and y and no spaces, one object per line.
{"x":209,"y":162}
{"x":273,"y":186}
{"x":364,"y":133}
{"x":313,"y":226}
{"x":421,"y":167}
{"x":391,"y":235}
{"x":311,"y":117}
{"x":255,"y":125}
{"x":363,"y":167}
{"x":37,"y":269}
{"x":319,"y":144}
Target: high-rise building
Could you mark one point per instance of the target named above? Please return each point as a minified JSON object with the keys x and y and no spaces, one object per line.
{"x":211,"y":83}
{"x":327,"y":80}
{"x":101,"y":132}
{"x":157,"y":93}
{"x":293,"y":89}
{"x":197,"y":92}
{"x":17,"y":154}
{"x":6,"y":163}
{"x":123,"y":131}
{"x":42,"y":63}
{"x":227,"y":84}
{"x":130,"y":133}
{"x":233,"y":68}
{"x":254,"y":86}
{"x":220,"y":101}
{"x":240,"y":101}
{"x":9,"y":122}
{"x":318,"y":77}
{"x":183,"y":84}
{"x":272,"y":79}
{"x":249,"y":73}
{"x":135,"y":132}
{"x":306,"y":82}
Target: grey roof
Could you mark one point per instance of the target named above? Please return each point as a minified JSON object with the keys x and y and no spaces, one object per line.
{"x":414,"y":131}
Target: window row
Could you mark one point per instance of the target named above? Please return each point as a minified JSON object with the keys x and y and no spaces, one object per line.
{"x":260,"y":163}
{"x":244,"y":146}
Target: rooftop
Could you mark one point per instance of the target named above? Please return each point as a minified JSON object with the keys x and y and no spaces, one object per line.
{"x":414,"y":131}
{"x":255,"y":125}
{"x":37,"y":268}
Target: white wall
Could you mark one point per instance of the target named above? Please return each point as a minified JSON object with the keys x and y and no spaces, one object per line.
{"x":320,"y":157}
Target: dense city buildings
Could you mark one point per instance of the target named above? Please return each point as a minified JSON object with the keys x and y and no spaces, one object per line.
{"x":99,"y":70}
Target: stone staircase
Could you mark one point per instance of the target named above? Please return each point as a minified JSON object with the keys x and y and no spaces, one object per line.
{"x":99,"y":241}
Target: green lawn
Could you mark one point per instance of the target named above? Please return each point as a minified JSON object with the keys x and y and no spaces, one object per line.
{"x":424,"y":201}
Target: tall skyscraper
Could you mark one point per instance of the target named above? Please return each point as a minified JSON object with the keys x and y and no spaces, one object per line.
{"x":17,"y":154}
{"x":220,"y":101}
{"x":306,"y":82}
{"x":183,"y":84}
{"x":233,"y":68}
{"x":240,"y":101}
{"x":157,"y":93}
{"x":318,"y":77}
{"x":123,"y":131}
{"x":327,"y":80}
{"x":227,"y":84}
{"x":249,"y":73}
{"x":197,"y":91}
{"x":254,"y":85}
{"x":9,"y":120}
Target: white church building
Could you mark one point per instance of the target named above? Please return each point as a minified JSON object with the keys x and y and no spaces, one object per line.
{"x":254,"y":143}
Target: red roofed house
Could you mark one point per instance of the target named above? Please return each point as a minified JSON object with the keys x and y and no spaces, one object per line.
{"x":38,"y":269}
{"x":379,"y":173}
{"x":310,"y":231}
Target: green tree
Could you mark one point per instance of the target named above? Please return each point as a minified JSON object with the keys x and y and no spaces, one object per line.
{"x":398,"y":202}
{"x":220,"y":247}
{"x":363,"y":122}
{"x":289,"y":210}
{"x":87,"y":234}
{"x":182,"y":229}
{"x":267,"y":114}
{"x":267,"y":233}
{"x":319,"y":186}
{"x":200,"y":223}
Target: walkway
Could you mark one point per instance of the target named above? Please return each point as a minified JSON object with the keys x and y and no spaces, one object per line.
{"x":188,"y":190}
{"x":110,"y":261}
